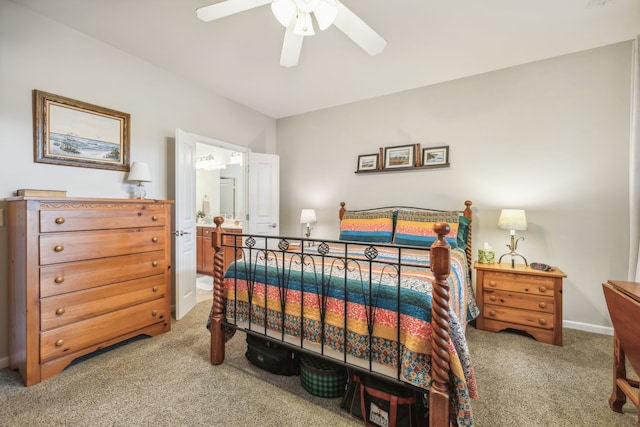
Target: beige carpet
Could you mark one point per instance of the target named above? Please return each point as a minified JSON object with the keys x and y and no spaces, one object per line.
{"x":168,"y":381}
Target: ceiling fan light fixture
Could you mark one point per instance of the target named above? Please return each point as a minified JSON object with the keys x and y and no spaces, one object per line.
{"x":303,"y":25}
{"x":326,"y":13}
{"x":284,"y":11}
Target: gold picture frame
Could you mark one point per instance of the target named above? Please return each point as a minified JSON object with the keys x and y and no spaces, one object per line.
{"x":69,"y":132}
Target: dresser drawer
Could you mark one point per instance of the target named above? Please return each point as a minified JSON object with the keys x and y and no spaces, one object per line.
{"x":66,"y":247}
{"x":63,"y":309}
{"x":88,"y":217}
{"x":519,"y":283}
{"x":536,"y":319}
{"x":77,"y":336}
{"x":519,"y":300}
{"x":74,"y":276}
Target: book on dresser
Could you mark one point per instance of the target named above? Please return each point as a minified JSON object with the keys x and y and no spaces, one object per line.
{"x":84,"y":274}
{"x":27,"y":192}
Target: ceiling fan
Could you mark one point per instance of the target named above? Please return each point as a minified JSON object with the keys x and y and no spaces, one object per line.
{"x":295,"y":16}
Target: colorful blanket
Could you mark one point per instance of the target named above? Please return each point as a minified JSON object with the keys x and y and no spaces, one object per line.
{"x":373,"y":303}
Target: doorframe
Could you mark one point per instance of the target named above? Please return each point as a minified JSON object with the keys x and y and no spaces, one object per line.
{"x":218,"y":143}
{"x":211,"y":142}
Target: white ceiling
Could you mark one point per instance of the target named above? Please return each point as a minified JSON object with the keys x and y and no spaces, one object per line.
{"x":429,"y":41}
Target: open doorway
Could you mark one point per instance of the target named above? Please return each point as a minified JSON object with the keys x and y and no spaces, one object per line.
{"x":220,"y":184}
{"x":257,"y":207}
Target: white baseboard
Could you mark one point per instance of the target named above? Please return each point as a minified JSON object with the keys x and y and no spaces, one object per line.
{"x":605,"y":330}
{"x":4,"y":362}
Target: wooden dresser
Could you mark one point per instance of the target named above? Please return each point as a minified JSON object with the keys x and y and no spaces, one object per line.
{"x":84,"y":274}
{"x":520,"y":298}
{"x":205,"y":251}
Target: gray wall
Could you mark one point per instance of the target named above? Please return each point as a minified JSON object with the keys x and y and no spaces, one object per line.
{"x":36,"y":53}
{"x":550,"y":137}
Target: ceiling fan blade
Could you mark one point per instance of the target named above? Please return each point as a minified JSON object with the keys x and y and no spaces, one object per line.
{"x":358,"y":31}
{"x":226,"y":8}
{"x":291,"y":47}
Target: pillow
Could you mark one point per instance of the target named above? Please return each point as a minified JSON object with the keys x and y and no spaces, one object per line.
{"x":463,"y":231}
{"x":367,"y":226}
{"x":415,"y":227}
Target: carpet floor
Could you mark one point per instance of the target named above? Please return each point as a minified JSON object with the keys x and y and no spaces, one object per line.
{"x":168,"y":381}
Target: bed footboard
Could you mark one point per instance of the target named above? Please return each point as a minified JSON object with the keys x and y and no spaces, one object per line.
{"x":439,"y":395}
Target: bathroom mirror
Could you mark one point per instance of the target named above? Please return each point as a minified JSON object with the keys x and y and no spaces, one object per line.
{"x":219,"y":183}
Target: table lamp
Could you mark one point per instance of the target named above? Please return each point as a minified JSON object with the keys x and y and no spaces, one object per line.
{"x":308,"y":216}
{"x":139,"y":172}
{"x":513,"y":219}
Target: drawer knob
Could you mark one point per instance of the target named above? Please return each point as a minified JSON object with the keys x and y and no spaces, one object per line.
{"x":154,"y":239}
{"x":60,"y":343}
{"x":492,"y":313}
{"x":492,"y":282}
{"x":542,"y":322}
{"x":154,"y":218}
{"x":543,"y":305}
{"x":60,"y":220}
{"x":154,"y":263}
{"x":154,"y":313}
{"x":59,"y":248}
{"x":59,"y":279}
{"x":492,"y":297}
{"x":543,"y":289}
{"x":154,"y":289}
{"x":60,"y":311}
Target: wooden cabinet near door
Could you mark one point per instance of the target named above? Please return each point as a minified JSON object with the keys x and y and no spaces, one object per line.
{"x":520,"y":298}
{"x":84,"y":274}
{"x":205,"y":249}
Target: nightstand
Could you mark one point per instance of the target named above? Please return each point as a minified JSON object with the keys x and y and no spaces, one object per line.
{"x":520,"y":298}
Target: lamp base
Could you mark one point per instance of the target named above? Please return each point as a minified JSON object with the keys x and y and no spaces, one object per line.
{"x":513,"y":254}
{"x":139,"y":192}
{"x":512,"y":250}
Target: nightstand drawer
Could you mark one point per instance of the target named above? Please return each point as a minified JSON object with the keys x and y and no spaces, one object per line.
{"x":519,"y":283}
{"x":522,"y":317}
{"x":519,"y":300}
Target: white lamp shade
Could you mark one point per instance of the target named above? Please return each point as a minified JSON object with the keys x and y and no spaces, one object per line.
{"x":139,"y":171}
{"x":512,"y":219}
{"x":307,"y":216}
{"x":326,"y":13}
{"x":284,"y":11}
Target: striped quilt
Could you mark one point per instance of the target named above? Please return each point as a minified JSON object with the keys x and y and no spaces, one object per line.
{"x":370,"y":302}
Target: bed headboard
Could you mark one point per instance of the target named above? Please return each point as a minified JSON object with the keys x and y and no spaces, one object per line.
{"x":466,"y":212}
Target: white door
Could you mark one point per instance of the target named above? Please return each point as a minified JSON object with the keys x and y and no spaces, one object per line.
{"x":264,"y":194}
{"x":185,"y":223}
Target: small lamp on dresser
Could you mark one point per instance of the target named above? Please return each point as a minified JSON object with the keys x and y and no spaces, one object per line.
{"x":513,"y":220}
{"x":139,"y":172}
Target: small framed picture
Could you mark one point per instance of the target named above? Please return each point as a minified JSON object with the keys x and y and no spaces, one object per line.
{"x":435,"y":156}
{"x":368,"y":162}
{"x":401,"y":156}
